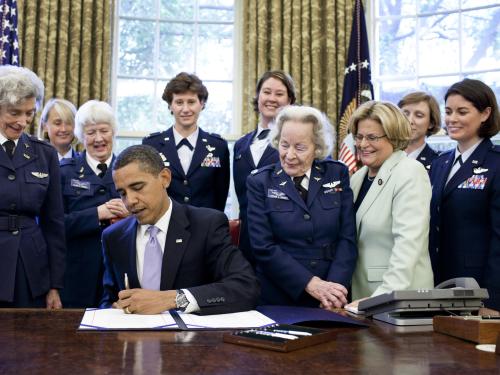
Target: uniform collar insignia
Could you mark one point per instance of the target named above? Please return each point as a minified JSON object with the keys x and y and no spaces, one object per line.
{"x":317,"y":178}
{"x":279,"y":172}
{"x":210,"y":148}
{"x":166,"y":139}
{"x":283,"y":183}
{"x":474,"y":161}
{"x":26,"y":156}
{"x":204,"y":140}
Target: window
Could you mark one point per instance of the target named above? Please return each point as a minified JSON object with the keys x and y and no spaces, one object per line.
{"x":155,"y":40}
{"x":431,"y":44}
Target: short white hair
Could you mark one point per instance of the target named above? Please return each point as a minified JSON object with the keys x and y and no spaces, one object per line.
{"x":18,"y":84}
{"x":91,"y":113}
{"x":323,"y":132}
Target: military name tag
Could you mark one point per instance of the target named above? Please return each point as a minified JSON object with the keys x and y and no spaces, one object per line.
{"x":211,"y":162}
{"x":80,"y":184}
{"x":276,"y":194}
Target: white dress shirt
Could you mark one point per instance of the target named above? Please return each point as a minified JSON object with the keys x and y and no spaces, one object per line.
{"x":184,"y":153}
{"x":465,"y":155}
{"x":67,"y":155}
{"x":414,"y":154}
{"x":258,"y":146}
{"x":140,"y":245}
{"x":4,"y":139}
{"x":94,"y":163}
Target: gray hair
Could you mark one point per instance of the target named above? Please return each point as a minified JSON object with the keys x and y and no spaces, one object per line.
{"x":18,"y":84}
{"x":323,"y":132}
{"x":91,"y":113}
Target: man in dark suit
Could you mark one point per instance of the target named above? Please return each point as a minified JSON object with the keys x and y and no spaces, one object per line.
{"x":198,"y":270}
{"x":198,"y":161}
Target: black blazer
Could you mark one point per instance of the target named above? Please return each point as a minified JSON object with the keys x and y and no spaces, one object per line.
{"x":198,"y":256}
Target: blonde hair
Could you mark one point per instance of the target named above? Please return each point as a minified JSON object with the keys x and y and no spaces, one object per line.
{"x":64,"y":108}
{"x":395,"y":124}
{"x":323,"y":133}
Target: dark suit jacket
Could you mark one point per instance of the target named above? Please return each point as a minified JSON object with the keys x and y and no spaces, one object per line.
{"x":427,"y":156}
{"x":31,"y":189}
{"x":242,"y":166}
{"x":465,"y":219}
{"x":293,"y":240}
{"x":83,"y":191}
{"x":205,"y":262}
{"x":206,"y":184}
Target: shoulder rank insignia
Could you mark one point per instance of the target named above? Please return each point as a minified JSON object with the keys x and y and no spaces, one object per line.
{"x":331,"y":184}
{"x":40,"y":174}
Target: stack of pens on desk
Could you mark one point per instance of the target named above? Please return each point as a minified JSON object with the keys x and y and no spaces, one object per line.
{"x":280,"y":337}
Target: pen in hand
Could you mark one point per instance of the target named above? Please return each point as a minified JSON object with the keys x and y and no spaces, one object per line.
{"x":127,"y":285}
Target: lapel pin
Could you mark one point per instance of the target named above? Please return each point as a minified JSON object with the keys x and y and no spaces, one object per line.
{"x":474,"y":161}
{"x":380,"y":182}
{"x":423,"y":158}
{"x":210,"y":148}
{"x":204,"y":140}
{"x":317,"y":178}
{"x":279,"y":172}
{"x":26,"y":156}
{"x":26,"y":145}
{"x":166,"y":139}
{"x":81,"y":176}
{"x":178,"y":240}
{"x":317,"y":167}
{"x":81,"y":170}
{"x":283,"y":183}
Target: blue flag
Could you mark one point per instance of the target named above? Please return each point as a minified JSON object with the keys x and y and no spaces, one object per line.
{"x":357,"y":82}
{"x":9,"y":46}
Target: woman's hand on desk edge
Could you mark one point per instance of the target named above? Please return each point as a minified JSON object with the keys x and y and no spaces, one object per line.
{"x":144,"y":301}
{"x":328,"y":293}
{"x":53,"y":300}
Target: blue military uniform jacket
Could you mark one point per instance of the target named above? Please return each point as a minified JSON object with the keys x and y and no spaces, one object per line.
{"x":243,"y":165}
{"x":293,"y":240}
{"x":83,"y":191}
{"x":427,"y":156}
{"x":207,"y":182}
{"x":31,"y":218}
{"x":465,"y":219}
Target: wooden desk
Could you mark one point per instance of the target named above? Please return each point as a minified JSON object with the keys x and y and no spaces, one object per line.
{"x":46,"y":342}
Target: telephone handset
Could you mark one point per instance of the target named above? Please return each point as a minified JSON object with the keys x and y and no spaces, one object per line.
{"x":459,"y":282}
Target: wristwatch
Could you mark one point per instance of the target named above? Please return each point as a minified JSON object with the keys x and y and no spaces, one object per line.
{"x":181,"y":301}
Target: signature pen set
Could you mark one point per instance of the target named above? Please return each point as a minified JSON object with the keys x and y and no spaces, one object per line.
{"x":280,"y":337}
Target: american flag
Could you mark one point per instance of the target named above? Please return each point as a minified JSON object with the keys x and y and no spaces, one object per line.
{"x":357,"y":83}
{"x":9,"y":46}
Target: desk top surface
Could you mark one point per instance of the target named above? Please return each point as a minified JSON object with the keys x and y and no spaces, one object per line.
{"x":47,"y":342}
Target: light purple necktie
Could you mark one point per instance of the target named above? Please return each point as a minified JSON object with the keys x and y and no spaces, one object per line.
{"x":151,"y":272}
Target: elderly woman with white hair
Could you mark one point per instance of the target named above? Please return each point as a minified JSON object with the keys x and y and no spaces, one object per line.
{"x":301,"y":216}
{"x":31,"y":211}
{"x":91,"y":203}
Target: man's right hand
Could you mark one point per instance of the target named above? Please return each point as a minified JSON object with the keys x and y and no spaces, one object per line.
{"x":144,"y":301}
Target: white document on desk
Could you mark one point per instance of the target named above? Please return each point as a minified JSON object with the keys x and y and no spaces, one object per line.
{"x":116,"y":319}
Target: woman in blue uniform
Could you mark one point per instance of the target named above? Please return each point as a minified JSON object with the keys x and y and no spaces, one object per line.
{"x":31,"y":211}
{"x":57,"y":124}
{"x":465,"y":206}
{"x":301,"y":217}
{"x":422,"y":110}
{"x":91,"y":203}
{"x":275,"y":89}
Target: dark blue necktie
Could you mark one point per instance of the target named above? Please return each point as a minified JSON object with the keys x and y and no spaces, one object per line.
{"x":184,"y":142}
{"x":9,"y":147}
{"x":103,"y":167}
{"x":297,"y":181}
{"x":263,"y":134}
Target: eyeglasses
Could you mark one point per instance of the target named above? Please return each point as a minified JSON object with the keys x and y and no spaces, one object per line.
{"x":370,"y":138}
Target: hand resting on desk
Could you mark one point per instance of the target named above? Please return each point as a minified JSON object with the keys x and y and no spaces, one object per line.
{"x":144,"y":301}
{"x":328,"y":293}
